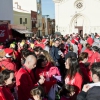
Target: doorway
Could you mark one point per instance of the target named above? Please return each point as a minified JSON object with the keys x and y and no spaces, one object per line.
{"x":80,"y":30}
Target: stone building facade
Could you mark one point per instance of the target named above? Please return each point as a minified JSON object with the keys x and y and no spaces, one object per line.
{"x":77,"y":16}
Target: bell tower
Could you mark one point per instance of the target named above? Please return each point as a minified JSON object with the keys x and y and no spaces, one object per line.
{"x":39,"y":18}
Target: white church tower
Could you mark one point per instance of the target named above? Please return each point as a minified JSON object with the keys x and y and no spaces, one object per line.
{"x":77,"y":16}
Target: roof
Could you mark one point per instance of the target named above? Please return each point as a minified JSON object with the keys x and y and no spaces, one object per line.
{"x":23,"y":31}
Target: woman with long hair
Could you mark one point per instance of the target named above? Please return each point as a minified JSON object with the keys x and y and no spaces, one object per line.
{"x":73,"y":75}
{"x":42,"y":69}
{"x":48,"y":57}
{"x":83,"y":58}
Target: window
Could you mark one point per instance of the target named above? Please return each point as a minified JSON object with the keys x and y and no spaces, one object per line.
{"x":20,"y":20}
{"x":25,"y":20}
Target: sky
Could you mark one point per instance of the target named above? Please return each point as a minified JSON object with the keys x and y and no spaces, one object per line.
{"x":48,"y":8}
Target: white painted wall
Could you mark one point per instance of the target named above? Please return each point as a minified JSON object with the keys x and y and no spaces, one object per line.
{"x":65,"y":12}
{"x":6,"y":10}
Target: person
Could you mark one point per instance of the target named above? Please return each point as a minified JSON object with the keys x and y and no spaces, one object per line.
{"x":7,"y":60}
{"x":47,"y":45}
{"x":95,"y":56}
{"x":67,"y":92}
{"x":48,"y":71}
{"x":55,"y":52}
{"x":70,"y":53}
{"x":89,"y":51}
{"x":16,"y":55}
{"x":48,"y":56}
{"x":90,"y":40}
{"x":75,"y":46}
{"x":92,"y":91}
{"x":37,"y":50}
{"x":73,"y":75}
{"x":24,"y":54}
{"x":7,"y":80}
{"x":38,"y":93}
{"x":83,"y":58}
{"x":25,"y":79}
{"x":96,"y":42}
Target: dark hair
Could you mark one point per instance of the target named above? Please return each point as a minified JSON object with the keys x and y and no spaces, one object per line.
{"x":67,"y":38}
{"x":38,"y":49}
{"x":38,"y":90}
{"x":57,"y":39}
{"x":88,"y":46}
{"x":73,"y":67}
{"x":40,"y":59}
{"x":26,"y":53}
{"x":95,"y":48}
{"x":95,"y":69}
{"x":83,"y":55}
{"x":4,"y":75}
{"x":66,"y":89}
{"x":25,"y":46}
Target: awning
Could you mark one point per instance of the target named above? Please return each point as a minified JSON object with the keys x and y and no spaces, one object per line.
{"x":23,"y":31}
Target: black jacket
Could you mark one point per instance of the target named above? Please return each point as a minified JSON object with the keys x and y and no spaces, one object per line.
{"x":92,"y":94}
{"x":70,"y":54}
{"x":54,"y":53}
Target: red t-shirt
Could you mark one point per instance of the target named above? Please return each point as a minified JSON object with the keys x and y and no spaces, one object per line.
{"x":75,"y":81}
{"x":94,"y":58}
{"x":90,"y":40}
{"x":5,"y":93}
{"x":90,"y":53}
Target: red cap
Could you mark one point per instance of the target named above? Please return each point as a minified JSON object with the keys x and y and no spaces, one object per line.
{"x":8,"y":52}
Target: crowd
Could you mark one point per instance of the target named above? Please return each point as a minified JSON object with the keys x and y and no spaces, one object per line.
{"x":51,"y":68}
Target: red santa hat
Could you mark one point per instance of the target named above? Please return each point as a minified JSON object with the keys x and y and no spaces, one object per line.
{"x":73,"y":41}
{"x":8,"y":52}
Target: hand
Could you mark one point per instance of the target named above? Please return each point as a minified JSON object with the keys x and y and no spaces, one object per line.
{"x":42,"y":77}
{"x":41,"y":80}
{"x":86,"y":88}
{"x":62,"y":55}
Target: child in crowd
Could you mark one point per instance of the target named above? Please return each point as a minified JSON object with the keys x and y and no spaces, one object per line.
{"x":38,"y":93}
{"x":67,"y":92}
